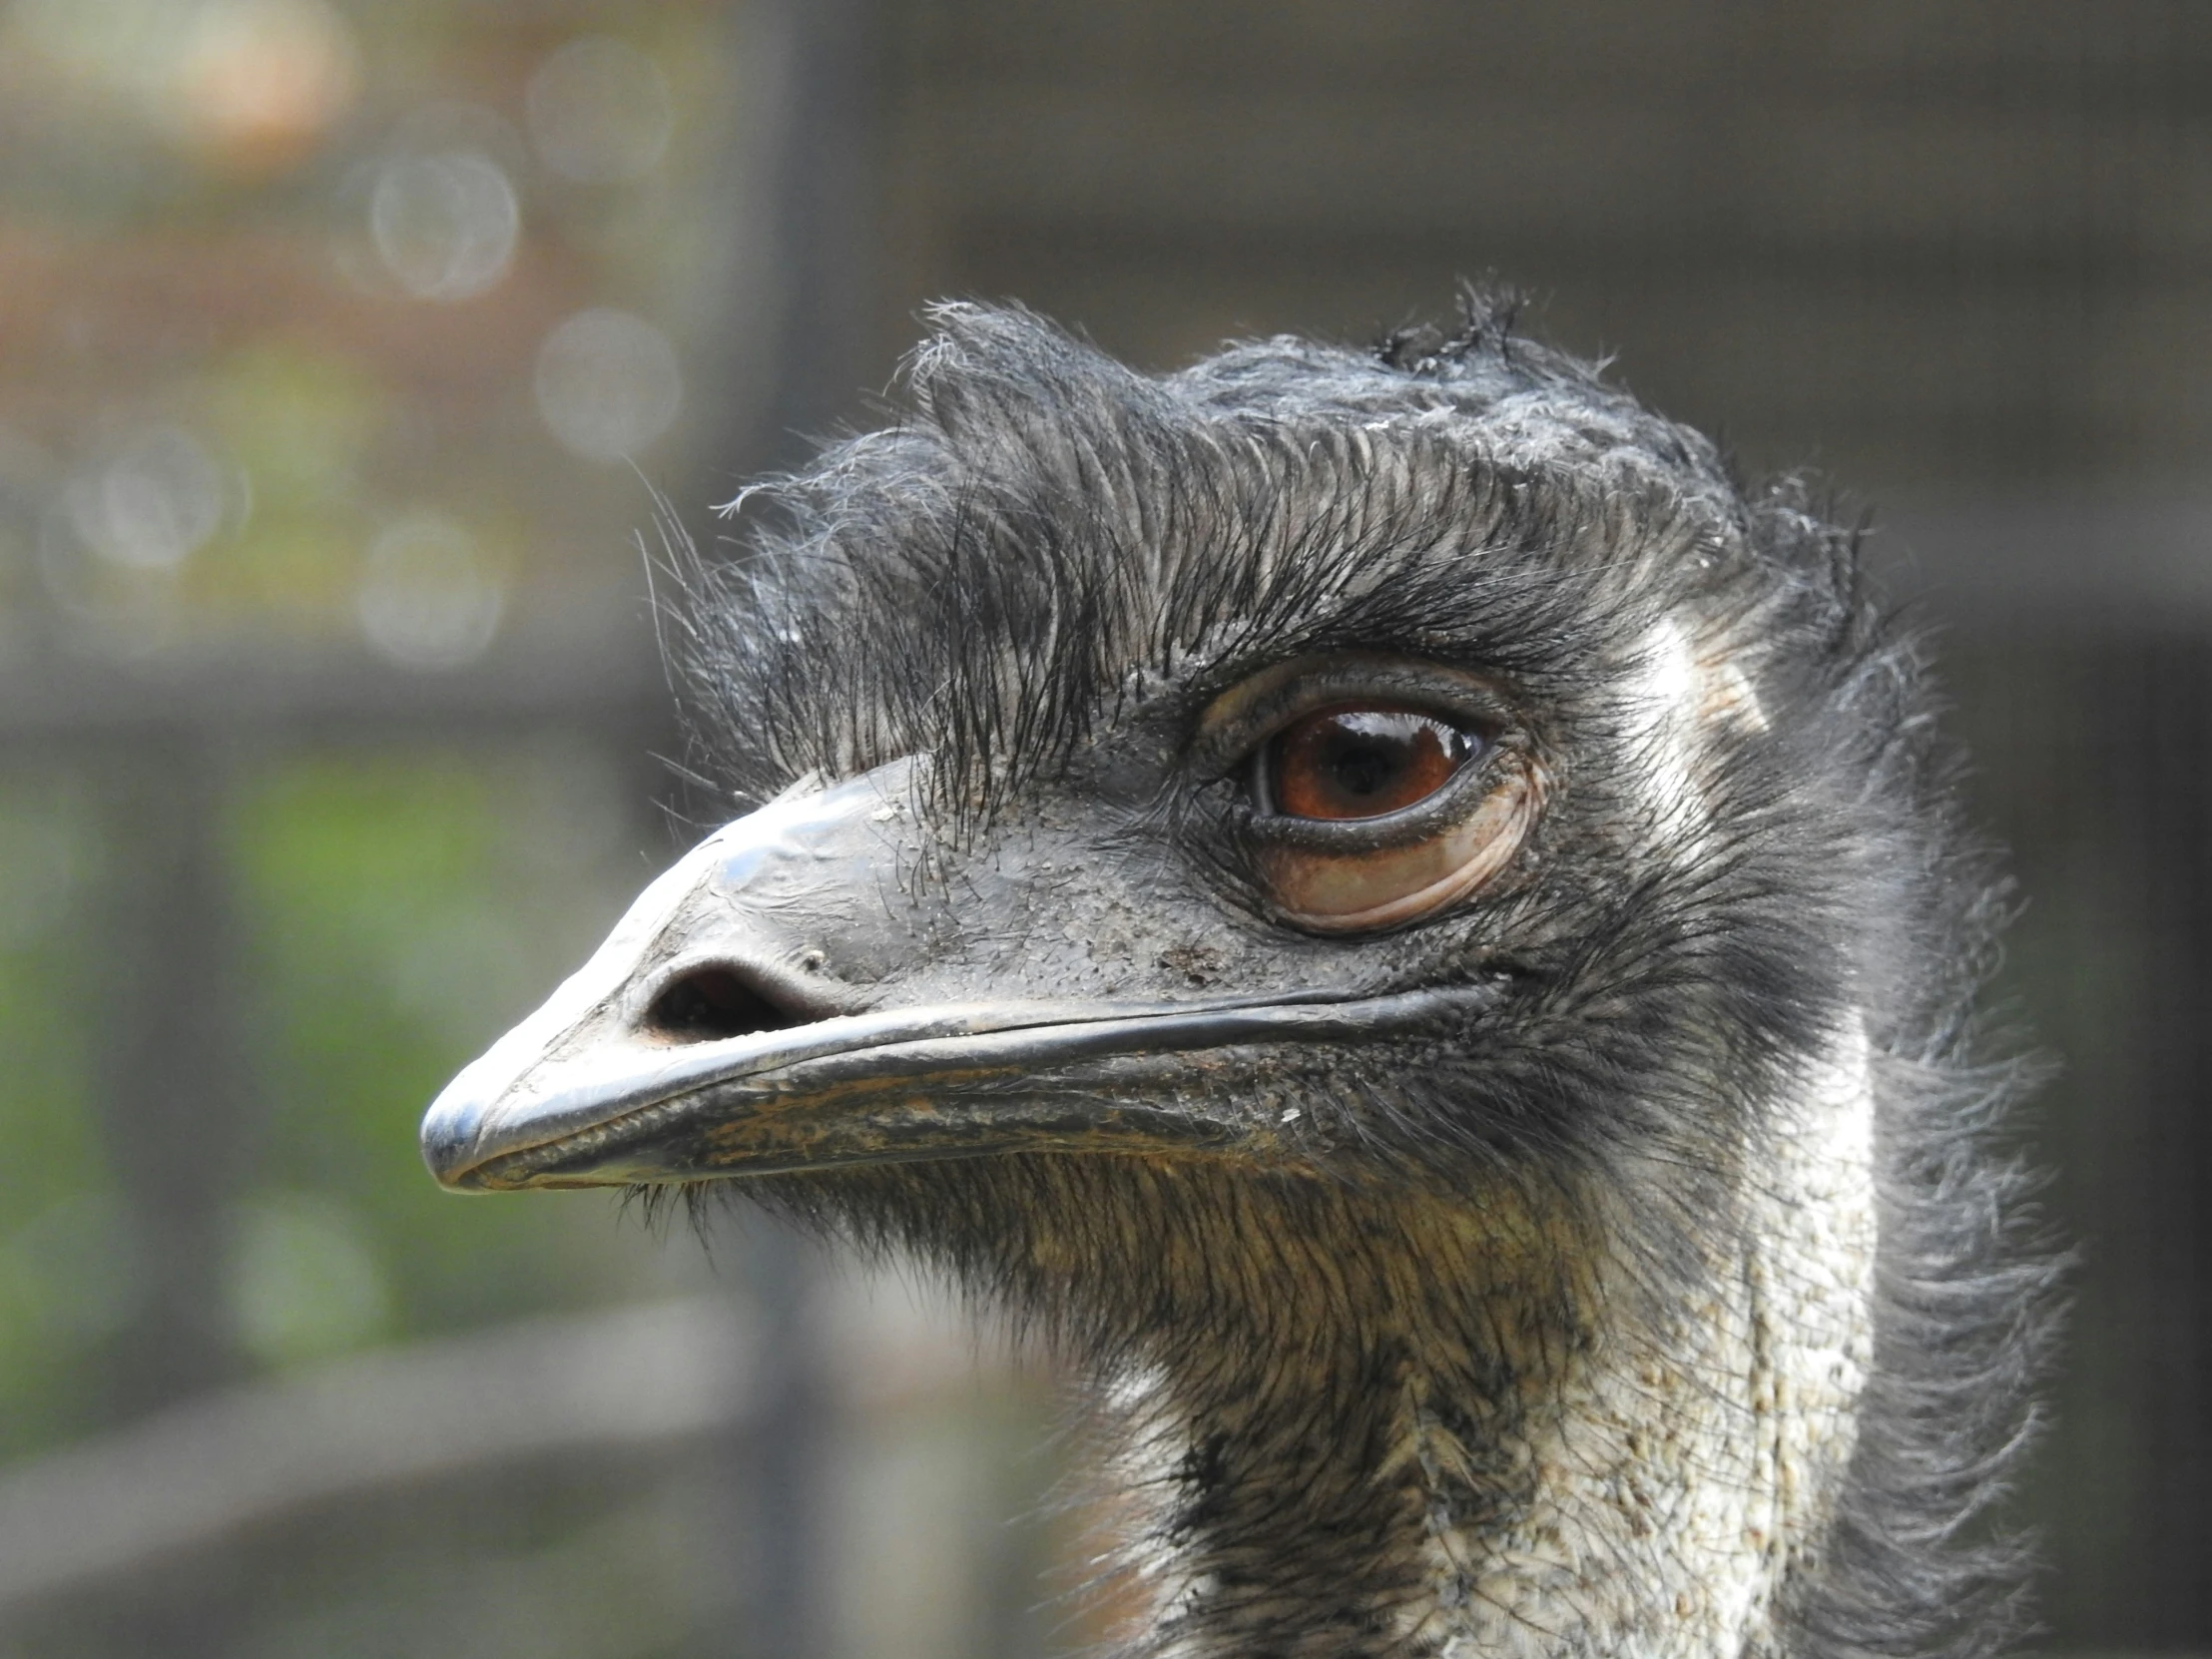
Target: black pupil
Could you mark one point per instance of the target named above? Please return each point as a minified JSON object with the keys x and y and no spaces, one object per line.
{"x":1369,"y":752}
{"x":1351,"y":761}
{"x":1366,"y":763}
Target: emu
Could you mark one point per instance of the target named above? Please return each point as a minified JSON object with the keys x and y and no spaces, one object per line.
{"x":1413,"y":925}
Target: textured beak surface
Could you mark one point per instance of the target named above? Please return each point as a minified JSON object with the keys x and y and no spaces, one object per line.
{"x":703,"y":1039}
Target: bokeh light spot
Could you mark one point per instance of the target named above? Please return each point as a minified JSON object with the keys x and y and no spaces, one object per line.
{"x":428,"y":598}
{"x":150,"y":501}
{"x":608,"y":384}
{"x":444,"y":224}
{"x":262,"y":80}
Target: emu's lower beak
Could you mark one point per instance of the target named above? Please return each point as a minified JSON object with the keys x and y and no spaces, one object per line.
{"x":705,"y":1041}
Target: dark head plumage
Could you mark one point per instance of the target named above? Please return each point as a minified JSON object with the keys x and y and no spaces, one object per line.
{"x":1551,"y":1212}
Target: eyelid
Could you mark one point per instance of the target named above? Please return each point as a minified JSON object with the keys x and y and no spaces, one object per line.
{"x":1254,"y":709}
{"x":1370,"y":891}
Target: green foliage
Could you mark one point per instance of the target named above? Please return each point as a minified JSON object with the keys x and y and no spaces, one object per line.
{"x":407,"y":908}
{"x":400,"y":908}
{"x":63,"y":1276}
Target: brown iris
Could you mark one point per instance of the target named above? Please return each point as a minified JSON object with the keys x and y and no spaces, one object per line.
{"x":1355,"y":760}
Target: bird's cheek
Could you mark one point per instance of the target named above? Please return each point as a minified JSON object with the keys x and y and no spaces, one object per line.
{"x":1364,"y":891}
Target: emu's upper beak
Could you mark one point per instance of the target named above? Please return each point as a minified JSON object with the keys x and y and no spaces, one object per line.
{"x":740,"y":1020}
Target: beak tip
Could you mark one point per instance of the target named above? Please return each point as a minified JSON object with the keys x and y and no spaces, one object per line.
{"x":449,"y":1140}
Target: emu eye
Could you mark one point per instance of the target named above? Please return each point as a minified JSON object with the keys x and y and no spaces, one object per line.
{"x":1367,"y":816}
{"x":1355,"y":760}
{"x":1378,"y":791}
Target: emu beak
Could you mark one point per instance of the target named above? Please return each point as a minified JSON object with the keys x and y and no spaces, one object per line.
{"x":703,"y":1039}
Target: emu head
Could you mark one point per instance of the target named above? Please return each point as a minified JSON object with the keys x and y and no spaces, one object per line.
{"x":1391,"y":907}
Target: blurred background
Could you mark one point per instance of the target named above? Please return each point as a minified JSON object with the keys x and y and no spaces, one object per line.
{"x":344,"y":347}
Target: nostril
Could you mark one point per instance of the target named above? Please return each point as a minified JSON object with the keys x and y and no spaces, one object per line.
{"x":714,"y":1002}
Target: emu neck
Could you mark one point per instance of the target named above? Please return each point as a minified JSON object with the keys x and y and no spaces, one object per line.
{"x":1530,"y":1447}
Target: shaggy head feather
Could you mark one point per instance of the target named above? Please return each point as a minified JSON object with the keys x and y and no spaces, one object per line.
{"x":1670,"y":1295}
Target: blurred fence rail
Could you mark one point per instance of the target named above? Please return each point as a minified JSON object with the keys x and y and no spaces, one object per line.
{"x":199,"y":1475}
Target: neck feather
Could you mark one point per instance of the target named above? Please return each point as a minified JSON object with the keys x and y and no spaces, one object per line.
{"x":1533,"y":1443}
